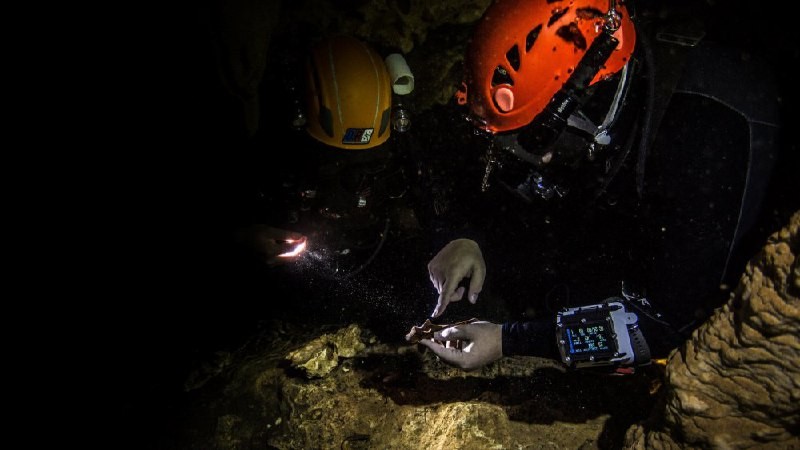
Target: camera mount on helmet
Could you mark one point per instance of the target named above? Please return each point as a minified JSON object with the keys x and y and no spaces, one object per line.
{"x":531,"y":68}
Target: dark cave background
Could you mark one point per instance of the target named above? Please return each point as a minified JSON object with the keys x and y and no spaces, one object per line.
{"x":178,"y":299}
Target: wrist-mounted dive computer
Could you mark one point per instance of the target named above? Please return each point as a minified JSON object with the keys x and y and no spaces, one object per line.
{"x":601,"y":335}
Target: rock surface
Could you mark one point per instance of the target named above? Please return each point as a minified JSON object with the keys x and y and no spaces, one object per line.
{"x":736,"y":383}
{"x":318,"y":357}
{"x":402,"y":397}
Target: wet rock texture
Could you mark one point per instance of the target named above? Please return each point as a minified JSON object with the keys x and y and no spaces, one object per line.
{"x":736,"y":383}
{"x":376,"y":395}
{"x":320,"y":356}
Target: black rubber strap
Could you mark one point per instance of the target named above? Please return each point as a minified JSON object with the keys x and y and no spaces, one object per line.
{"x":641,"y":351}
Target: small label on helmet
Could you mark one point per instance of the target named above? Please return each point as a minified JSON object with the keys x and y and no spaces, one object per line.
{"x":357,"y":136}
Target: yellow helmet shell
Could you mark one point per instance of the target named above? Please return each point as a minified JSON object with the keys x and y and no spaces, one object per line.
{"x":349,"y":95}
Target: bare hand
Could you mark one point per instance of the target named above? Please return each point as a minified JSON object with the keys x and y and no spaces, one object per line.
{"x":482,"y":344}
{"x":459,"y":259}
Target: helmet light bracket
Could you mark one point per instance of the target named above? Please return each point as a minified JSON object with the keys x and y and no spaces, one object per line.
{"x":544,"y":130}
{"x":537,"y":138}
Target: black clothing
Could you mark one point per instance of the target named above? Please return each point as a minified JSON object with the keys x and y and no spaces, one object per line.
{"x":530,"y":338}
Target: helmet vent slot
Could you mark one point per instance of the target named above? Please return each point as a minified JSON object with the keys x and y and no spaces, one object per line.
{"x":571,"y":33}
{"x":512,"y":56}
{"x":557,"y":14}
{"x":531,"y":38}
{"x":589,"y":13}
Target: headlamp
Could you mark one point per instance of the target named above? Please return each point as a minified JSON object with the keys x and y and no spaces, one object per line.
{"x":297,"y":247}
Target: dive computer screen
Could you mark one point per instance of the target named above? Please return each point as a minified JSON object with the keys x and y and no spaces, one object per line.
{"x":589,"y":339}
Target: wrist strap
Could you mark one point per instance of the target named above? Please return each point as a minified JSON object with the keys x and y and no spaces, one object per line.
{"x":640,"y":348}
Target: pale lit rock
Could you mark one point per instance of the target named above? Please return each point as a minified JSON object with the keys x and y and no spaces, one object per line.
{"x":318,"y":357}
{"x":509,"y":366}
{"x":336,"y":412}
{"x":402,"y":397}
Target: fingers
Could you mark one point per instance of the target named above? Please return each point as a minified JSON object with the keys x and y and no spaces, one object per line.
{"x":449,"y":355}
{"x":435,"y":276}
{"x":470,"y":346}
{"x":450,"y":285}
{"x":458,"y":294}
{"x":476,"y":283}
{"x":436,"y":283}
{"x":452,"y":334}
{"x":441,"y":305}
{"x":453,"y":355}
{"x":445,"y":299}
{"x":451,"y":290}
{"x":447,"y":294}
{"x":459,"y":259}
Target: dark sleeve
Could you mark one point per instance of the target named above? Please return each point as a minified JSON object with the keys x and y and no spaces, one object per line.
{"x":530,"y":338}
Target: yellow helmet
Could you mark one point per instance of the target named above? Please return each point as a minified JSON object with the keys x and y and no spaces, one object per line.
{"x":349,"y":94}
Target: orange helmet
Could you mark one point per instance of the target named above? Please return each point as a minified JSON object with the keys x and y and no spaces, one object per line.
{"x":349,"y":94}
{"x":523,"y":51}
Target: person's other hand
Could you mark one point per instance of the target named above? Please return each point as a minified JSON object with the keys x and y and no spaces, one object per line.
{"x":482,"y":343}
{"x":274,"y":245}
{"x":459,"y":259}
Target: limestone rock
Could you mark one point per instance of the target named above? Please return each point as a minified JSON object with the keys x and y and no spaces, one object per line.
{"x":402,"y":397}
{"x":318,"y":357}
{"x":736,"y":382}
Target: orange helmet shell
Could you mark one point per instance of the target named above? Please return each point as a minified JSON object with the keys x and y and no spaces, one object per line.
{"x":523,"y":51}
{"x":349,"y":94}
